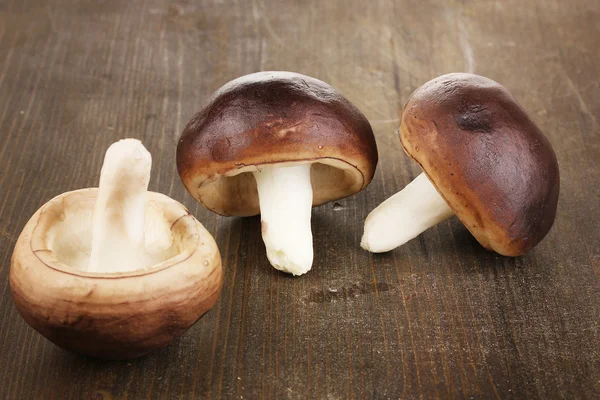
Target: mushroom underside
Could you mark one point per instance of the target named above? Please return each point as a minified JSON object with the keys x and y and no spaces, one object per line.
{"x":65,"y":226}
{"x":283,"y":193}
{"x":235,"y":193}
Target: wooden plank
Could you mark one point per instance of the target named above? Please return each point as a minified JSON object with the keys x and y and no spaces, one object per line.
{"x":437,"y":318}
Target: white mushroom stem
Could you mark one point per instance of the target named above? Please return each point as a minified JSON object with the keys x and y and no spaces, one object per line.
{"x":285,"y":195}
{"x":118,"y":220}
{"x":404,"y":216}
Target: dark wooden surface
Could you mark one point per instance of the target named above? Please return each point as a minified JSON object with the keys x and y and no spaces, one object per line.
{"x":437,"y":318}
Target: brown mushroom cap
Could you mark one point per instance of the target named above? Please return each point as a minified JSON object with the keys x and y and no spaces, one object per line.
{"x":486,"y":157}
{"x":112,"y":315}
{"x":268,"y":119}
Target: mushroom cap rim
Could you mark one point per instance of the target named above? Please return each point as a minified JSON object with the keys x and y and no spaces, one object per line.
{"x":168,"y":263}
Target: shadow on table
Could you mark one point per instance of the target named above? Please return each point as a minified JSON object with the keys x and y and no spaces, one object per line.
{"x":242,"y":248}
{"x":181,"y":367}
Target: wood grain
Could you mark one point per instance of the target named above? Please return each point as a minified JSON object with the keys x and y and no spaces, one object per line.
{"x":437,"y":318}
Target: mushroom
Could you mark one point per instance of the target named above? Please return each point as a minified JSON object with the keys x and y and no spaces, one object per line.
{"x":116,"y":271}
{"x":277,"y":143}
{"x":483,"y":159}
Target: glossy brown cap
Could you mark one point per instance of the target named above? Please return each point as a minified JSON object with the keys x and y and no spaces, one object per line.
{"x":112,"y":315}
{"x":274,"y":118}
{"x":486,"y":157}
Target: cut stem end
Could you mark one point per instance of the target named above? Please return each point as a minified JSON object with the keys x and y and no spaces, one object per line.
{"x":404,"y":216}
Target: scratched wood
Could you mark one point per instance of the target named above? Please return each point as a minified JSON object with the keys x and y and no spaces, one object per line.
{"x":437,"y":318}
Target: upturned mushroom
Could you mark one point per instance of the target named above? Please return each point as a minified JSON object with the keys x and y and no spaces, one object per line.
{"x":116,"y":271}
{"x":277,"y":143}
{"x":483,"y":159}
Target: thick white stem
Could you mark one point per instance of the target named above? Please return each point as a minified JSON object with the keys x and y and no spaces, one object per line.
{"x":404,"y":216}
{"x":285,"y":195}
{"x":118,"y":220}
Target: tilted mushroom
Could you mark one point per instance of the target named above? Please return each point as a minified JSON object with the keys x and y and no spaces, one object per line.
{"x":116,"y":271}
{"x":483,"y":159}
{"x":277,"y":143}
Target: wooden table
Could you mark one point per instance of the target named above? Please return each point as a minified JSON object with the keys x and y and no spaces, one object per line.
{"x":438,"y":318}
